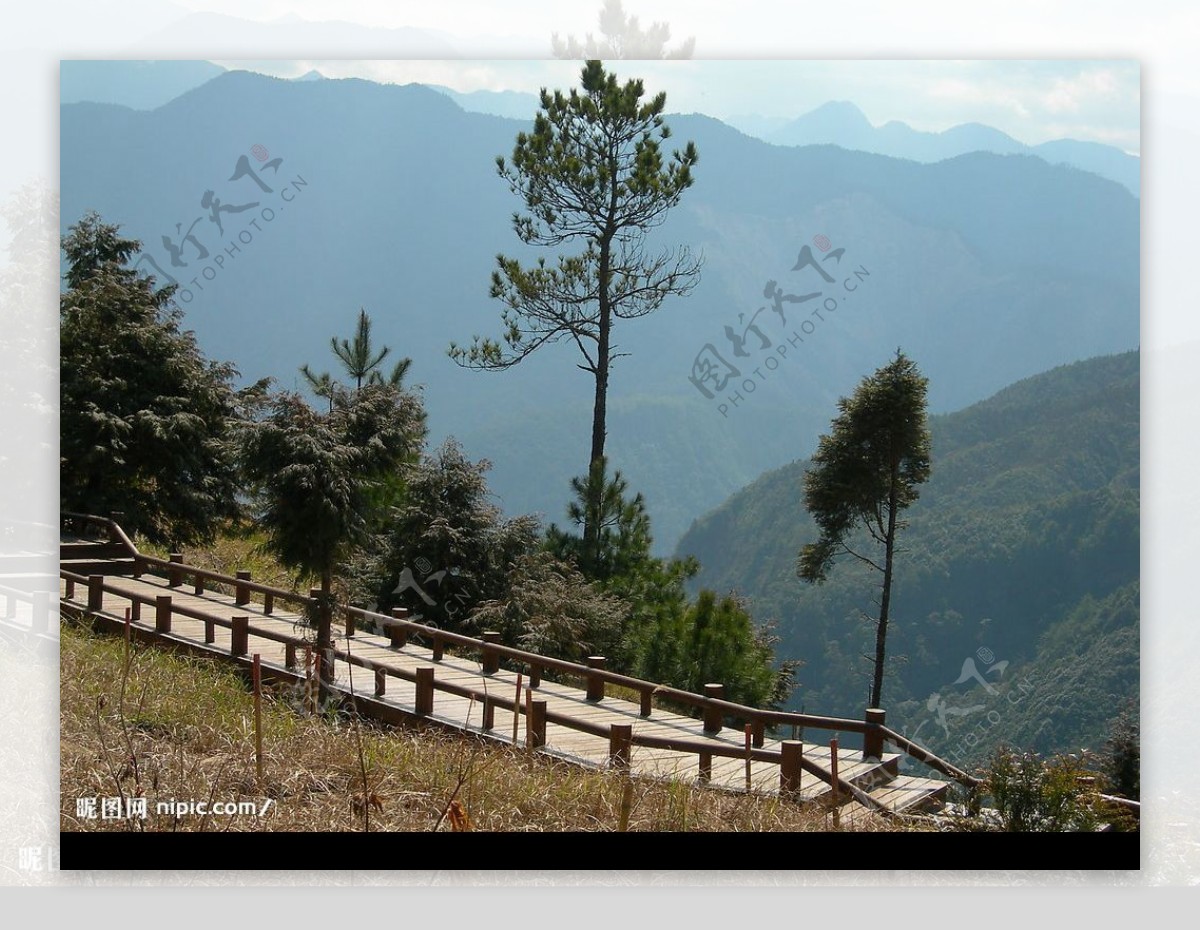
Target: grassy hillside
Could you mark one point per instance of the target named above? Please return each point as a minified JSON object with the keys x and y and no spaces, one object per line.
{"x":177,"y":728}
{"x":1023,"y":549}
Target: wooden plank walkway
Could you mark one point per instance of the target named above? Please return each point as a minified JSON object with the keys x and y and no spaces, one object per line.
{"x":466,"y":715}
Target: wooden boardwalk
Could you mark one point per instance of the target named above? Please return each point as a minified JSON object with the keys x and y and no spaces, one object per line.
{"x":377,"y":661}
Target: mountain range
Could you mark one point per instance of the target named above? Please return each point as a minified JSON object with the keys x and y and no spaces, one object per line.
{"x":986,"y":268}
{"x":844,"y":124}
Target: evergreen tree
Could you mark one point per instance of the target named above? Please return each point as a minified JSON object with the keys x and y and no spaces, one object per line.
{"x":146,"y":421}
{"x":864,"y":473}
{"x":622,"y":527}
{"x":548,"y":607}
{"x":312,"y":475}
{"x":360,"y":360}
{"x":591,"y":172}
{"x":448,"y":548}
{"x":664,"y":637}
{"x":1123,"y":758}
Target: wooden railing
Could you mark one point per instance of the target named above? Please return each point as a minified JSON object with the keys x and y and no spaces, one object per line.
{"x":490,"y":652}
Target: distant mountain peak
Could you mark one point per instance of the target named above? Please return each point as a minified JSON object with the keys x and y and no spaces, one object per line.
{"x":840,"y":113}
{"x":313,"y":75}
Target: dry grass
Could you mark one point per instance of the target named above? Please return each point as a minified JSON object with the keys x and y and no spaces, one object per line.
{"x":237,"y":548}
{"x":165,"y":727}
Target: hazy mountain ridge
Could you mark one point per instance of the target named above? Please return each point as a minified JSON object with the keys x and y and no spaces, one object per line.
{"x":986,"y":268}
{"x":844,"y":124}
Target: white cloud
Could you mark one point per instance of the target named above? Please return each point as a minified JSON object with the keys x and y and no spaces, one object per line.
{"x":1069,"y":95}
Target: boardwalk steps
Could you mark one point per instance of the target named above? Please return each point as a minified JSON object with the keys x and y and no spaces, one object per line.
{"x":414,"y":672}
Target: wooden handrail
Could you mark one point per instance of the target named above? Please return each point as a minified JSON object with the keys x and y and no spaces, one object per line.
{"x":924,"y":755}
{"x":729,"y":708}
{"x":209,"y":575}
{"x":530,"y":659}
{"x":191,"y":613}
{"x":114,"y":529}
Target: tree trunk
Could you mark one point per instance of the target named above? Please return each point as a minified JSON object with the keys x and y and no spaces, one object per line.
{"x":599,"y":408}
{"x":325,"y":633}
{"x":885,"y":601}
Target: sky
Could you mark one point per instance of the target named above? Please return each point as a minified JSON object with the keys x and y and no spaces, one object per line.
{"x":1032,"y":101}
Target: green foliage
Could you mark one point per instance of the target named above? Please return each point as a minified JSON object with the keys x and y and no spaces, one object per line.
{"x":869,"y":467}
{"x":447,"y":549}
{"x":312,"y":473}
{"x":360,"y":360}
{"x":550,"y":608}
{"x":591,"y":170}
{"x":146,"y":420}
{"x":1123,"y":759}
{"x":1045,"y":796}
{"x":621,"y":548}
{"x":723,"y":645}
{"x":664,"y":638}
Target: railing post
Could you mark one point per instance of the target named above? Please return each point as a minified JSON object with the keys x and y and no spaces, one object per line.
{"x":491,"y":658}
{"x":239,"y":643}
{"x":537,"y":724}
{"x":116,"y":516}
{"x":398,"y":633}
{"x":535,"y":676}
{"x":489,"y":712}
{"x":139,"y":566}
{"x":438,"y":647}
{"x":758,"y":733}
{"x":647,"y":708}
{"x":70,"y":595}
{"x":350,"y":625}
{"x":95,"y":593}
{"x":268,"y":603}
{"x":241,"y":593}
{"x":135,"y":610}
{"x":380,"y":681}
{"x":620,"y":745}
{"x":713,"y":715}
{"x":289,"y":655}
{"x":174,"y":575}
{"x":833,"y":769}
{"x":705,"y":767}
{"x":595,"y":684}
{"x":873,"y":738}
{"x":162,"y":613}
{"x":790,"y":751}
{"x":424,"y":690}
{"x":210,"y":631}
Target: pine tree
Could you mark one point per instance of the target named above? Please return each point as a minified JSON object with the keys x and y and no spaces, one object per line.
{"x":591,"y":172}
{"x":360,"y":360}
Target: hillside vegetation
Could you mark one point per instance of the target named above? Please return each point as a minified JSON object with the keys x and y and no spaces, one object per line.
{"x":1023,"y":549}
